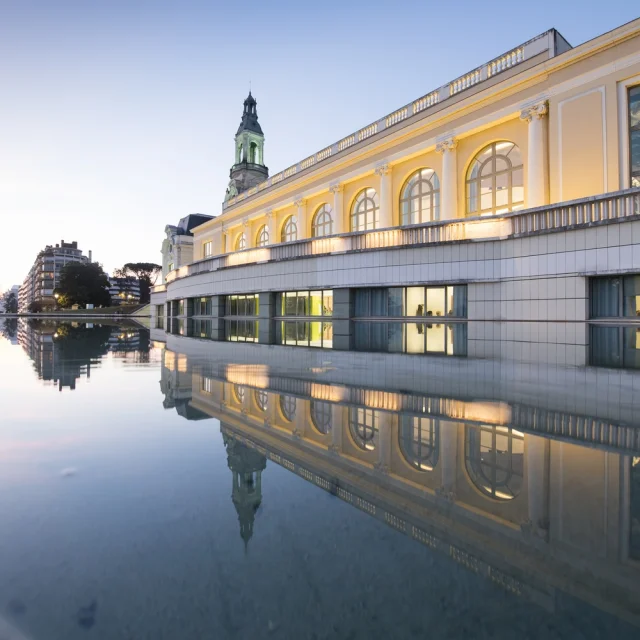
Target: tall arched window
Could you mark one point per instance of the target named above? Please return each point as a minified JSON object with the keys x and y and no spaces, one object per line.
{"x":418,"y":439}
{"x":363,"y":424}
{"x":321,"y":416}
{"x":288,"y":407}
{"x":365,"y":211}
{"x":322,"y":223}
{"x":241,"y":241}
{"x":420,"y":197}
{"x":262,"y":239}
{"x":253,"y":152}
{"x":494,"y":458}
{"x":495,"y":180}
{"x":289,"y":229}
{"x":239,"y":154}
{"x":262,"y":400}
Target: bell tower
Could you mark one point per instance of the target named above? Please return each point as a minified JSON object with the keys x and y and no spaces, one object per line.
{"x":249,"y":168}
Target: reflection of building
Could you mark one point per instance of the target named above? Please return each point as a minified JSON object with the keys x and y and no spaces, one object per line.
{"x":492,"y":197}
{"x":44,"y":275}
{"x":539,"y":492}
{"x":246,"y":465}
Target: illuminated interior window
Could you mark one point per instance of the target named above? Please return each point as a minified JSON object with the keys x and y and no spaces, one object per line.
{"x":495,"y":180}
{"x":365,"y":211}
{"x":494,"y":457}
{"x":262,"y":400}
{"x":322,"y":223}
{"x":262,"y":238}
{"x":289,"y":230}
{"x":321,"y":416}
{"x":634,"y":135}
{"x":288,"y":407}
{"x":207,"y":249}
{"x":418,"y":439}
{"x":363,"y":425}
{"x":241,"y":242}
{"x":420,"y":198}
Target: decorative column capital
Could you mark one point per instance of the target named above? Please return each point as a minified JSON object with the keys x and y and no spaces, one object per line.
{"x":269,"y":213}
{"x":446,"y":145}
{"x":335,"y":188}
{"x":334,"y":448}
{"x":537,"y":111}
{"x":245,"y":222}
{"x":382,"y":169}
{"x":299,"y":202}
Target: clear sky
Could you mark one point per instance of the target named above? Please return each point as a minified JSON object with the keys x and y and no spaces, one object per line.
{"x":117,"y":116}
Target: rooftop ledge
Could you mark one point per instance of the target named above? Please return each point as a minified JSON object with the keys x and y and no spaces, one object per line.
{"x":550,"y":42}
{"x":609,"y":207}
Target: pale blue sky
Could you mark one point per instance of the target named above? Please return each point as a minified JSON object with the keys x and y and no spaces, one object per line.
{"x":117,"y":116}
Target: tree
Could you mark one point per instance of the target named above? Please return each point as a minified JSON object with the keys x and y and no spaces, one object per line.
{"x":83,"y":283}
{"x":10,"y":302}
{"x":35,"y":306}
{"x":146,"y":272}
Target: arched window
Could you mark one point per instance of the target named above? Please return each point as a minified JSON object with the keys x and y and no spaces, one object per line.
{"x":418,"y":439}
{"x":289,"y":229}
{"x":495,"y":180}
{"x":262,"y":239}
{"x":288,"y":407}
{"x":322,"y":223}
{"x":253,"y":152}
{"x":321,"y":416}
{"x":240,"y":153}
{"x":363,"y":424}
{"x":494,"y":458}
{"x":239,"y":392}
{"x":241,"y":241}
{"x":420,"y":197}
{"x":262,"y":399}
{"x":365,"y":211}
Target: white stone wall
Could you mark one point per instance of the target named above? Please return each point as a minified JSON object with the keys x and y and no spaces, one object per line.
{"x":539,"y":277}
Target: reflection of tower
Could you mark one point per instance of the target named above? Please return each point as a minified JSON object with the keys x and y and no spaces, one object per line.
{"x":246,"y":467}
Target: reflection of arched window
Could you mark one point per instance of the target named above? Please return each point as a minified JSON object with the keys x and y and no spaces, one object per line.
{"x":322,"y":223}
{"x":239,"y":392}
{"x":253,"y":152}
{"x":494,"y":458}
{"x":365,"y":211}
{"x":241,"y":242}
{"x":288,"y":407}
{"x":420,"y":198}
{"x":289,"y":230}
{"x":363,"y":424}
{"x":419,"y":440}
{"x":262,"y":239}
{"x":321,"y":416}
{"x":495,"y":181}
{"x":262,"y":400}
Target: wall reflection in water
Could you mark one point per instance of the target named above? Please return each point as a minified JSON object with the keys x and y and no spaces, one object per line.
{"x":63,"y":352}
{"x":495,"y":485}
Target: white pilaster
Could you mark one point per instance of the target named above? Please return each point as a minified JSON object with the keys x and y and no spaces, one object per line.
{"x":336,"y":428}
{"x":536,"y":164}
{"x":536,"y":469}
{"x":271,"y":225}
{"x":449,"y":185}
{"x":448,"y":458}
{"x":247,"y":233}
{"x":301,"y":203}
{"x":386,"y":196}
{"x":384,"y":441}
{"x":338,"y":221}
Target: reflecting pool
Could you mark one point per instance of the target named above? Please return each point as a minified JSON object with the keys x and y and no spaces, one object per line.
{"x":167,"y":485}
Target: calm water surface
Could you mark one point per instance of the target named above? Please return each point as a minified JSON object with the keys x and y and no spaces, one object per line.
{"x":160,"y":486}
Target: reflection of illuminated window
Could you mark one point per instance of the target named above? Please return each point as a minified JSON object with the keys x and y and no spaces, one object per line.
{"x":239,"y":392}
{"x":419,"y":441}
{"x":207,"y":385}
{"x":494,"y":459}
{"x":306,"y":334}
{"x":321,"y":416}
{"x":288,"y":407}
{"x":363,"y":424}
{"x":262,"y":400}
{"x":241,"y":330}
